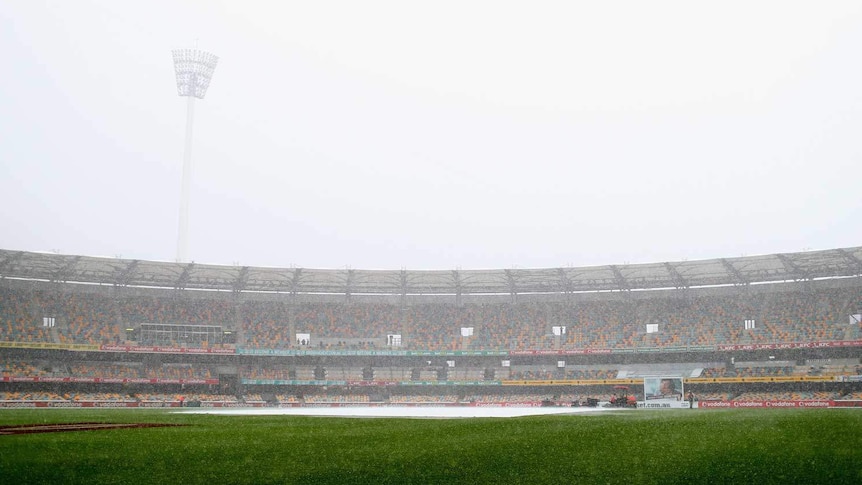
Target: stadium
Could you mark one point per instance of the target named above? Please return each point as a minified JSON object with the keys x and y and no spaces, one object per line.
{"x":779,"y":330}
{"x":633,"y":190}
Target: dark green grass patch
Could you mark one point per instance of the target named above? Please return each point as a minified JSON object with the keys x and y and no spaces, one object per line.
{"x":728,"y":446}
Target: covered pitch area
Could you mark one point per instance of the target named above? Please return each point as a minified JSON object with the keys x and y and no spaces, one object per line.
{"x":404,"y":411}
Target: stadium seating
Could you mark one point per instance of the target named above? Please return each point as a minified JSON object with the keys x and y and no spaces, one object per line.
{"x":423,"y":399}
{"x":337,"y":398}
{"x":287,"y":399}
{"x":31,"y":396}
{"x":780,"y":317}
{"x":81,"y":320}
{"x":16,"y":368}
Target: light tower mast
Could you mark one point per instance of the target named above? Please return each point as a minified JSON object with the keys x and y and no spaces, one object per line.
{"x":194,"y":70}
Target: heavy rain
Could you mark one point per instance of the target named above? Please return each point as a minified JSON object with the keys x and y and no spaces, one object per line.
{"x":598,"y":242}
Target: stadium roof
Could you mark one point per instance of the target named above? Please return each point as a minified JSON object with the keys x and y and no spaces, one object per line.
{"x":802,"y":266}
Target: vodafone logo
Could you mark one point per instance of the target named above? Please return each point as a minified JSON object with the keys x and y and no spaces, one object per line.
{"x":748,"y":404}
{"x":781,"y":404}
{"x":764,"y":404}
{"x":814,"y":404}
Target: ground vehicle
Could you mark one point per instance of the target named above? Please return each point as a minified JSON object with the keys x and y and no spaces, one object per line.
{"x":622,"y":398}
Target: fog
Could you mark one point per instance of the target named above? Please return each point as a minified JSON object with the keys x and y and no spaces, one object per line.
{"x":448,"y":135}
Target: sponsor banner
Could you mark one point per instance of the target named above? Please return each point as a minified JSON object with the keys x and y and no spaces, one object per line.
{"x":261,"y":352}
{"x":707,"y":380}
{"x":13,"y":345}
{"x":764,"y":404}
{"x":221,"y":404}
{"x":279,"y":382}
{"x":158,"y":404}
{"x":821,"y":378}
{"x":43,"y":379}
{"x":673,"y":349}
{"x":372,"y":383}
{"x":650,"y":349}
{"x":441,"y":353}
{"x":84,"y":348}
{"x":286,"y":382}
{"x":448,"y":383}
{"x":462,"y":383}
{"x":21,"y":379}
{"x":19,"y":404}
{"x":386,"y":353}
{"x":570,"y":382}
{"x":422,"y":383}
{"x":262,"y":382}
{"x":108,"y":404}
{"x":192,"y":350}
{"x":163,"y":350}
{"x":289,"y":353}
{"x":664,"y":405}
{"x":325,"y":405}
{"x":514,"y":404}
{"x":525,"y":404}
{"x":105,"y":404}
{"x":640,"y":404}
{"x":48,"y":345}
{"x":67,"y":404}
{"x":700,"y":348}
{"x":847,"y":404}
{"x":108,"y":380}
{"x":793,"y":345}
{"x":181,"y":381}
{"x":590,"y":351}
{"x":568,"y":352}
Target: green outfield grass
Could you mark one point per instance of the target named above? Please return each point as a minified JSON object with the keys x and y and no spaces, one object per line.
{"x":690,"y":446}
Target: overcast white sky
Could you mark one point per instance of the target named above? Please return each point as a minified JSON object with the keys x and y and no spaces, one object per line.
{"x":434,"y":135}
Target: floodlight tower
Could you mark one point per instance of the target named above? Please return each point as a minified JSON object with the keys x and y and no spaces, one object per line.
{"x":194,"y":70}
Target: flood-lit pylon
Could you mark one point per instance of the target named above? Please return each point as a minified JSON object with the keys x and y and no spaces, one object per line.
{"x":194,"y":69}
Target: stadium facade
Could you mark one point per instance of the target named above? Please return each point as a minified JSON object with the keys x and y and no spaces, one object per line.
{"x":770,"y":330}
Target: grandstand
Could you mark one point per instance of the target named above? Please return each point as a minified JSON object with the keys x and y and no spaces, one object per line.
{"x":773,"y":327}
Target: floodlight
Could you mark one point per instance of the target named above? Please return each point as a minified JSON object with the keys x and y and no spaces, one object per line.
{"x":194,"y":69}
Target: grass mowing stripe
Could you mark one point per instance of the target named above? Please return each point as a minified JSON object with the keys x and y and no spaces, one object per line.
{"x":716,"y":446}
